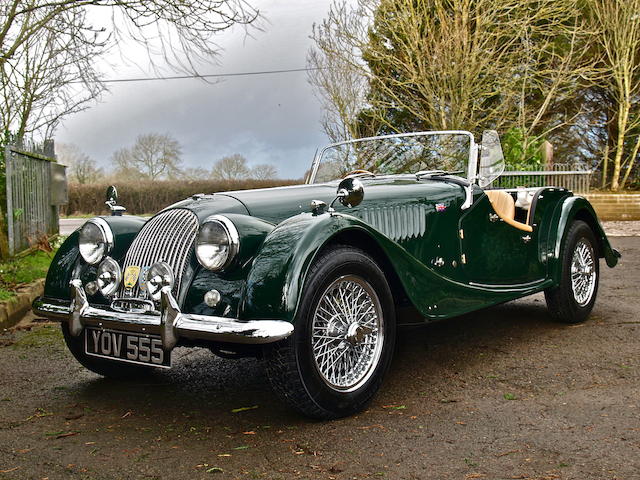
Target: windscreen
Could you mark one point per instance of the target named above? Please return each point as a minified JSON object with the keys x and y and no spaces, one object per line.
{"x":491,"y":158}
{"x":392,"y":155}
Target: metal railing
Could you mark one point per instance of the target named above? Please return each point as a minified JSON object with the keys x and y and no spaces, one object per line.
{"x":35,"y":187}
{"x":571,"y":177}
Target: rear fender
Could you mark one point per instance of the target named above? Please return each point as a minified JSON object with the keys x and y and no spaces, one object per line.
{"x":572,"y":209}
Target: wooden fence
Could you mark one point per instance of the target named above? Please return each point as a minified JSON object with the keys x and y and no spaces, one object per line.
{"x":35,"y":187}
{"x":573,"y":178}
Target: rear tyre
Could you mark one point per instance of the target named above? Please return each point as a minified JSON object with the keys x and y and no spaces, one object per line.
{"x":573,"y":299}
{"x":106,"y":368}
{"x":342,"y":345}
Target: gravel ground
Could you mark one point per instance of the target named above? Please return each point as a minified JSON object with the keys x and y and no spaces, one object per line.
{"x":500,"y":394}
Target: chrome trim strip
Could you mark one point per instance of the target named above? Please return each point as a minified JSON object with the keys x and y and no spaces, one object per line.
{"x":144,"y":305}
{"x":171,"y":324}
{"x":515,"y":287}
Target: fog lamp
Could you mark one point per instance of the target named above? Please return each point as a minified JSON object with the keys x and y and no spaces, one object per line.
{"x":158,"y":276}
{"x":212,"y":298}
{"x":109,"y":276}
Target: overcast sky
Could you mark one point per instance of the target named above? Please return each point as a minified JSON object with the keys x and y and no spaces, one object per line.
{"x":268,"y":118}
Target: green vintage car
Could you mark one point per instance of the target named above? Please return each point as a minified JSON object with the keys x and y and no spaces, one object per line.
{"x":315,"y":278}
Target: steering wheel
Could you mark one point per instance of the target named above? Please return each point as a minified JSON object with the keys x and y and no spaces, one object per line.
{"x":360,"y":172}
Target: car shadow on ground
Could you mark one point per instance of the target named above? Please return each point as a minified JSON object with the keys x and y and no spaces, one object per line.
{"x":425,"y":355}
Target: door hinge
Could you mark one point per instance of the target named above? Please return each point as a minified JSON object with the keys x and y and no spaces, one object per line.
{"x":461,"y":233}
{"x":463,"y":259}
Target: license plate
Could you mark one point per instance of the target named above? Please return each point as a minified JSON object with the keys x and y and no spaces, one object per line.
{"x":126,"y":347}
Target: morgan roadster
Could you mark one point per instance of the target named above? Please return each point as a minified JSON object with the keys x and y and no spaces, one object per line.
{"x":315,"y":278}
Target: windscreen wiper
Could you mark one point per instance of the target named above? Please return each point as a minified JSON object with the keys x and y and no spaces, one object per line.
{"x":435,"y":173}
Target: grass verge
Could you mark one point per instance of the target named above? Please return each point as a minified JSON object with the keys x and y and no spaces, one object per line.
{"x":40,"y":336}
{"x":19,"y":271}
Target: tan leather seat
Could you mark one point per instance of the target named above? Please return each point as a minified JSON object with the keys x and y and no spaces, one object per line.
{"x":504,"y":205}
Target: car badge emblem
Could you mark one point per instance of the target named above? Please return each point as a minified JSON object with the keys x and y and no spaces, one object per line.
{"x":131,"y":276}
{"x":440,"y":207}
{"x":142,"y":279}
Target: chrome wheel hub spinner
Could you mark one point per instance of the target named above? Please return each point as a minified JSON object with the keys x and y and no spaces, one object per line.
{"x":583,"y":273}
{"x":347,"y":333}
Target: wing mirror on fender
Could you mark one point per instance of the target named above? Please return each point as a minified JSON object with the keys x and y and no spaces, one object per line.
{"x":350,"y":193}
{"x":112,"y":202}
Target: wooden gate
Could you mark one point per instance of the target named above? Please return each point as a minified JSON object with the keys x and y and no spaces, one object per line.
{"x":36,"y":186}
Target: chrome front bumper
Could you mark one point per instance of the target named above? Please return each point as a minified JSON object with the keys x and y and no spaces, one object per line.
{"x":170,"y":323}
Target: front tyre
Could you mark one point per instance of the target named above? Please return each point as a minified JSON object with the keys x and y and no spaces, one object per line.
{"x":343,"y":340}
{"x":104,"y":367}
{"x":573,"y":299}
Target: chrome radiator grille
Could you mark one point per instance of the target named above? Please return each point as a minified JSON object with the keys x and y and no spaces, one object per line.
{"x":167,"y":237}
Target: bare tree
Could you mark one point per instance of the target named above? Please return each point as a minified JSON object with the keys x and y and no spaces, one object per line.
{"x":185,"y":30}
{"x":231,"y":167}
{"x":449,"y":64}
{"x":192,"y":173}
{"x":617,"y":25}
{"x":153,"y":156}
{"x":52,"y":75}
{"x":80,"y":167}
{"x":337,"y":71}
{"x":48,"y":48}
{"x":263,"y":171}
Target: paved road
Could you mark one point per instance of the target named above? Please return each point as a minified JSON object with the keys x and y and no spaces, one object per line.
{"x":69,"y":225}
{"x":500,"y":394}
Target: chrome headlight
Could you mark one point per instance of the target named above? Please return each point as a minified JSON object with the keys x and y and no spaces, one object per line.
{"x":95,"y":240}
{"x":109,"y":276}
{"x":158,"y":276}
{"x":218,"y":243}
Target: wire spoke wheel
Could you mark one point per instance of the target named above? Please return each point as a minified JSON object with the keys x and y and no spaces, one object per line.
{"x":583,"y":273}
{"x":347,"y":333}
{"x":343,"y":342}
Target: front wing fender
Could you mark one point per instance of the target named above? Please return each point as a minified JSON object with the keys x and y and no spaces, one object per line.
{"x":276,"y":280}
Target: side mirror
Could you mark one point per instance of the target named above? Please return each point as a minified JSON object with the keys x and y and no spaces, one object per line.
{"x":112,"y":195}
{"x":112,"y":202}
{"x":350,"y":192}
{"x":491,"y":158}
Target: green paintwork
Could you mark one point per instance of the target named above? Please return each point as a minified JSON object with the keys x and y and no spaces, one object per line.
{"x":252,"y":232}
{"x":418,"y":226}
{"x":67,"y":262}
{"x":231,"y":284}
{"x":206,"y":205}
{"x":572,"y":208}
{"x":276,"y":280}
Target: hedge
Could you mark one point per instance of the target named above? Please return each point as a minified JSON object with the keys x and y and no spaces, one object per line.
{"x":146,"y":197}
